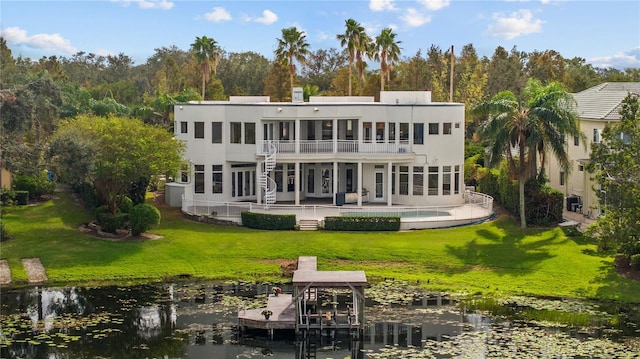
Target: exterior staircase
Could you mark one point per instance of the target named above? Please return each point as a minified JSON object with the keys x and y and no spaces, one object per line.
{"x":308,"y":224}
{"x":268,"y":184}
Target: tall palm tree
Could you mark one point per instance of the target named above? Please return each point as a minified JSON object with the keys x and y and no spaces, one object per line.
{"x":519,"y":132}
{"x":292,"y":46}
{"x":387,"y":51}
{"x":207,"y":53}
{"x":354,"y":40}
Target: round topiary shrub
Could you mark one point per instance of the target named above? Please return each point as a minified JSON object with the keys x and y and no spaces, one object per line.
{"x":142,"y":217}
{"x":635,"y":262}
{"x":126,"y":205}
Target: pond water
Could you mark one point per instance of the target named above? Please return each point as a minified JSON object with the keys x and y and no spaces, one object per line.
{"x":199,"y":320}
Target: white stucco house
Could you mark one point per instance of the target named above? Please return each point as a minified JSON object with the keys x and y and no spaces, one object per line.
{"x":401,"y":151}
{"x":596,"y":107}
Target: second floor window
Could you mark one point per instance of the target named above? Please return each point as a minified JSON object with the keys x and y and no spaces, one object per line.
{"x":198,"y":130}
{"x":216,"y":132}
{"x":235,"y":132}
{"x":249,"y":133}
{"x":199,"y":179}
{"x":418,"y":133}
{"x":434,"y":128}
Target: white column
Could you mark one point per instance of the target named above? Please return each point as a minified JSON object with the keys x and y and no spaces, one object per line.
{"x":259,"y":182}
{"x":359,"y":183}
{"x":296,"y":182}
{"x":335,"y":179}
{"x":334,"y":134}
{"x":297,"y":135}
{"x":389,"y":179}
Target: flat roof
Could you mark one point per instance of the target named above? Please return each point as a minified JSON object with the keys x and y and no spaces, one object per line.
{"x":329,"y":278}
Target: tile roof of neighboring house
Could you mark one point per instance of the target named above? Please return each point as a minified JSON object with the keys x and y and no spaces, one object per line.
{"x":603,"y":102}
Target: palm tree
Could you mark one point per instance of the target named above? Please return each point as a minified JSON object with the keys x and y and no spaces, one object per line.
{"x":387,"y":51}
{"x":292,"y":46}
{"x":519,"y":133}
{"x":207,"y":53}
{"x":355,"y":40}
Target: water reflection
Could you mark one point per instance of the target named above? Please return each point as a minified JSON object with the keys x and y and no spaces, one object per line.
{"x":198,"y":320}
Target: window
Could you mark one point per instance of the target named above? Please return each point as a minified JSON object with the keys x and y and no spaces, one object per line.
{"x":291,"y":178}
{"x":393,"y":179}
{"x":446,"y":128}
{"x":249,"y":133}
{"x":433,"y":128}
{"x":404,"y":131}
{"x":184,"y":126}
{"x":596,"y":135}
{"x":380,"y":132}
{"x":392,"y":132}
{"x":327,"y":129}
{"x":456,"y":179}
{"x":199,"y":179}
{"x":580,"y":168}
{"x":446,"y":180}
{"x":217,"y":179}
{"x":404,"y":180}
{"x":283,"y":128}
{"x":366,"y":127}
{"x":236,"y":132}
{"x":198,"y":130}
{"x":418,"y":181}
{"x":433,"y":181}
{"x":576,"y":140}
{"x":311,"y":130}
{"x":216,"y":132}
{"x":278,"y":178}
{"x":185,"y":171}
{"x":562,"y":178}
{"x":418,"y":133}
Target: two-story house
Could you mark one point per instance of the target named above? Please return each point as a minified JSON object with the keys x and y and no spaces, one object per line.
{"x":596,"y":107}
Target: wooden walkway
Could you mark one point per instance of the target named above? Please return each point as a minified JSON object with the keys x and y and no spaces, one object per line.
{"x":283,"y":317}
{"x":35,"y":271}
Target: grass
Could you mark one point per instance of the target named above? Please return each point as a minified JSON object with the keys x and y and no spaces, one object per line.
{"x":496,"y":257}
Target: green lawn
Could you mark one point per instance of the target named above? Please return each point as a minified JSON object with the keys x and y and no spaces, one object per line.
{"x":494,"y":257}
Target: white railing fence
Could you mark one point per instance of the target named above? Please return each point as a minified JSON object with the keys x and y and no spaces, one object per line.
{"x":476,"y":205}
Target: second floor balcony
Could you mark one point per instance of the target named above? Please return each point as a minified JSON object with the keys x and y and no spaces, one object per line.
{"x":306,"y":148}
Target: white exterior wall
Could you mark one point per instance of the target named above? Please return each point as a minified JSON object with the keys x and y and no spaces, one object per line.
{"x":438,"y":150}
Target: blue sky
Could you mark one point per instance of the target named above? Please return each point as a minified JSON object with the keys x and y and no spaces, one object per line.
{"x":605,"y":33}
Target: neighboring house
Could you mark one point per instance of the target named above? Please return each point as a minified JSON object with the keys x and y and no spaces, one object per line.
{"x":597,"y":106}
{"x":403,"y":150}
{"x":5,"y":176}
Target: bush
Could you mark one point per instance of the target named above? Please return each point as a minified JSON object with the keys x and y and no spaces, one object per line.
{"x":8,"y":197}
{"x":344,"y":223}
{"x":4,"y":234}
{"x":269,"y":221}
{"x":126,"y":205}
{"x":37,"y":186}
{"x":88,"y":195}
{"x":110,"y":222}
{"x":635,"y":262}
{"x":21,"y":198}
{"x":142,"y":217}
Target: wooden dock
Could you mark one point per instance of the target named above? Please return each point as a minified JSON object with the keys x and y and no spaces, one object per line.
{"x":283,"y":317}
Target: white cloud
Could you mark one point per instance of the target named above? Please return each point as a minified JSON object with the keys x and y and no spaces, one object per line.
{"x":148,"y":4}
{"x":218,"y":14}
{"x":381,"y":5}
{"x":414,"y":18}
{"x":50,"y":42}
{"x":434,"y":5}
{"x":514,"y":25}
{"x":103,"y":52}
{"x":621,"y":61}
{"x":268,"y":17}
{"x":324,"y":36}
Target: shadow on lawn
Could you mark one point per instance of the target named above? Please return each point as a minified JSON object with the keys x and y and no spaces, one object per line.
{"x":505,"y":250}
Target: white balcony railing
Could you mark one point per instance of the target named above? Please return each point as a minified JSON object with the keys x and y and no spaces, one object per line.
{"x":306,"y":147}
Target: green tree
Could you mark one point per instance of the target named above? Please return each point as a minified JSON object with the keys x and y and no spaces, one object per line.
{"x":207,"y":53}
{"x":387,"y":52}
{"x":243,"y":73}
{"x":615,"y":164}
{"x":520,"y":131}
{"x":506,"y":72}
{"x":115,"y":151}
{"x":275,"y":84}
{"x":412,"y":73}
{"x":352,"y":41}
{"x":292,"y":46}
{"x":321,"y":67}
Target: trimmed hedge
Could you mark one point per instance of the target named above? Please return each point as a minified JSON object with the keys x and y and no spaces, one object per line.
{"x":36,"y":186}
{"x":142,"y":217}
{"x":22,"y":197}
{"x":110,"y":222}
{"x":349,"y":223}
{"x":269,"y":221}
